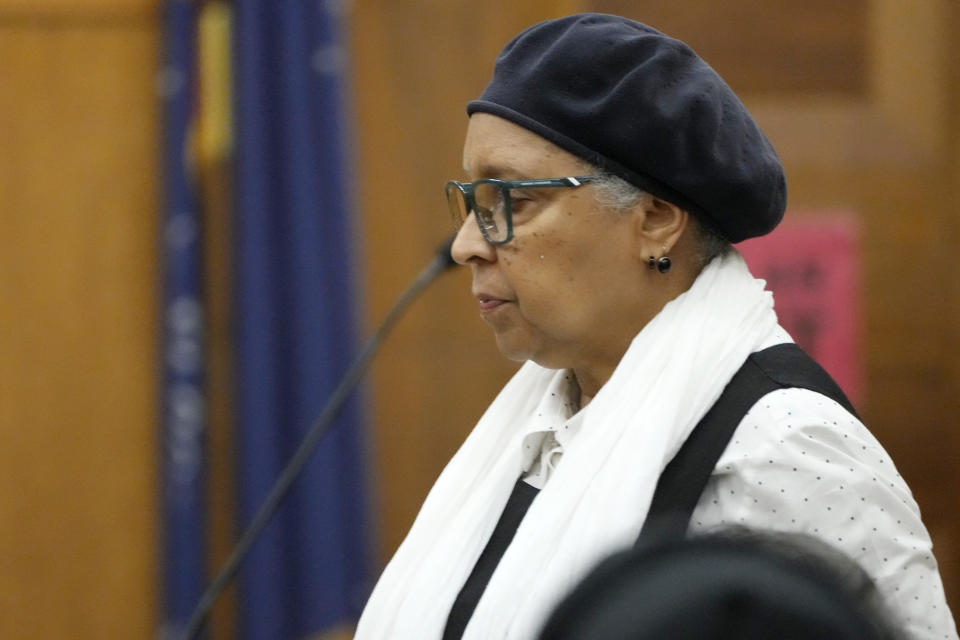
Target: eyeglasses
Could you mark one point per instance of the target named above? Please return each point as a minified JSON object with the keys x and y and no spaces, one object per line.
{"x":490,"y":201}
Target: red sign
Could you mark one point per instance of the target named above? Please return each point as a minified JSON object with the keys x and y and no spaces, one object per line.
{"x":812,"y":266}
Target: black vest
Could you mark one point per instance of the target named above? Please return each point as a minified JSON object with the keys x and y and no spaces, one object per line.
{"x":683,"y":479}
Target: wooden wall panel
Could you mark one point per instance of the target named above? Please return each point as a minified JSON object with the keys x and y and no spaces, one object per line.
{"x":77,"y":329}
{"x":766,"y":46}
{"x":860,"y":99}
{"x":86,"y":11}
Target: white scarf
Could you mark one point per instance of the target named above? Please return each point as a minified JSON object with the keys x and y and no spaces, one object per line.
{"x":598,"y":497}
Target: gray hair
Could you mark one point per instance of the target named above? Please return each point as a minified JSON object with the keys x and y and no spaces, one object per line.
{"x":613,"y":192}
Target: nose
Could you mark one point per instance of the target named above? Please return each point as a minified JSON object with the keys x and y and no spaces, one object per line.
{"x":470,"y":245}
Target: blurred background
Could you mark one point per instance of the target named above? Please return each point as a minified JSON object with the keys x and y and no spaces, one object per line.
{"x":206,"y":205}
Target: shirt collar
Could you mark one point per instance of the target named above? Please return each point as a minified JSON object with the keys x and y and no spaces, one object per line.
{"x":552,"y":416}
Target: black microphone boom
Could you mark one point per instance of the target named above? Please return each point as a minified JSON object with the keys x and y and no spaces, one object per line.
{"x":440,"y":263}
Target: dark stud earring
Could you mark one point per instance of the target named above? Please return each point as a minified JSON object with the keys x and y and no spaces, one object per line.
{"x":662,"y":265}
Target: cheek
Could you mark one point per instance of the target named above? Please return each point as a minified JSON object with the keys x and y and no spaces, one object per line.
{"x":553,"y":250}
{"x":552,"y":292}
{"x":542,"y":264}
{"x":562,"y":264}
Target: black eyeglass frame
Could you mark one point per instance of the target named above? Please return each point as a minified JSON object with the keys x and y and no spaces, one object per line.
{"x":467,"y":190}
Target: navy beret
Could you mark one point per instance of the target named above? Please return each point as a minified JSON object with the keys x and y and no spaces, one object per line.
{"x":643,"y":106}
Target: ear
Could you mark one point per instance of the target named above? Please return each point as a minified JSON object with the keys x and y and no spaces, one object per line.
{"x":659,"y":226}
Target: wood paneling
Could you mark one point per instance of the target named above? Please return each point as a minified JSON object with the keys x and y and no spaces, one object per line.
{"x":71,"y":9}
{"x":767,"y":46}
{"x":78,"y":323}
{"x":911,"y":75}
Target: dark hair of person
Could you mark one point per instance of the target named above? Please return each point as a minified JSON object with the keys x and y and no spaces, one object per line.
{"x":735,"y":584}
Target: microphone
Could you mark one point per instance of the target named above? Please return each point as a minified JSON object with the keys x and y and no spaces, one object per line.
{"x":444,"y":256}
{"x":440,"y":263}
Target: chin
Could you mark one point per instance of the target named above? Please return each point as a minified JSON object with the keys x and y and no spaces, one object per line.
{"x":522,"y":351}
{"x":514,"y":349}
{"x":513,"y":354}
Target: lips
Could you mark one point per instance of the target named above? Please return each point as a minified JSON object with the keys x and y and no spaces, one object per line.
{"x":489,"y":302}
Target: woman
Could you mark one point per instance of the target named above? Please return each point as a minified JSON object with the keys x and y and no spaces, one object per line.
{"x":611,"y":169}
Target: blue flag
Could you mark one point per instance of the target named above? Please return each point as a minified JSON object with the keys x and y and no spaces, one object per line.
{"x":183,"y":405}
{"x":295,"y":321}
